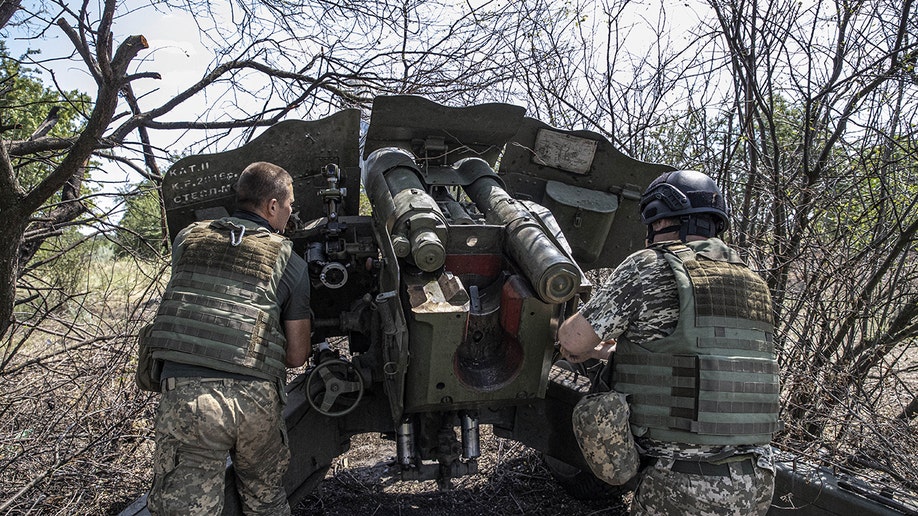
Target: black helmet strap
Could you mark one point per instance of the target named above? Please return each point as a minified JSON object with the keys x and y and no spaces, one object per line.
{"x":702,"y":225}
{"x":668,"y":229}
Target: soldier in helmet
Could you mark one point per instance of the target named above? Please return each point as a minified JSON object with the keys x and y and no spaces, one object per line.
{"x":687,"y":327}
{"x":234,"y":315}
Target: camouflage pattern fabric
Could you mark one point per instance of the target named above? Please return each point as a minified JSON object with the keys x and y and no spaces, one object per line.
{"x":604,"y":436}
{"x":202,"y":421}
{"x":764,"y":454}
{"x":639,"y":300}
{"x":663,"y":492}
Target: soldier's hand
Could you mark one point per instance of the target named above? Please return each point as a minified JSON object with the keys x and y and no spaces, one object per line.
{"x":604,"y":349}
{"x":571,"y":357}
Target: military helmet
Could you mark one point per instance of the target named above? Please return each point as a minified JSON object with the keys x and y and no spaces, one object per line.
{"x":684,"y":193}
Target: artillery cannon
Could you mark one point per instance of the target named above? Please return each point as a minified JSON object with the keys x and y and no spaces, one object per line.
{"x":437,"y":313}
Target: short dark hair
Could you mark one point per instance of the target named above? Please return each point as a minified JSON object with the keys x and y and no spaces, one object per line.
{"x":260,"y":182}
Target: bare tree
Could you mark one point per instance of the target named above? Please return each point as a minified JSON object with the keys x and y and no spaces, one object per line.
{"x":805,"y":112}
{"x":271,"y":61}
{"x":301,"y":60}
{"x":824,"y":160}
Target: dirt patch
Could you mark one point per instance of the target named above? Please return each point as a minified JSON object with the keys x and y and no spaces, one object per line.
{"x":511,"y":479}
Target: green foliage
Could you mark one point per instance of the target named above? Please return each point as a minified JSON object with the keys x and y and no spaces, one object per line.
{"x":57,"y":268}
{"x":25,"y":104}
{"x":59,"y":262}
{"x":683,"y":141}
{"x":57,"y":278}
{"x":879,"y":188}
{"x":365,"y":208}
{"x":140,"y":232}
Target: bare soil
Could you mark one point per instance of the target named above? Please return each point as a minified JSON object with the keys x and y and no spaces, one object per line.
{"x":512,"y":479}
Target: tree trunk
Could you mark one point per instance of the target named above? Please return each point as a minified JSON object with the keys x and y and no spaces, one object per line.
{"x":7,"y":9}
{"x":10,"y":233}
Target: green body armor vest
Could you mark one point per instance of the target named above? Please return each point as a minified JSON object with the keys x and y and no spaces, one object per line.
{"x":714,"y":380}
{"x":220,"y":310}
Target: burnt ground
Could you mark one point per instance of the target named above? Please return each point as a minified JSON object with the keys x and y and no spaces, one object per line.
{"x":511,"y":479}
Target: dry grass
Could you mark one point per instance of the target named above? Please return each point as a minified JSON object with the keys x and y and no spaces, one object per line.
{"x":76,"y":433}
{"x":512,"y":479}
{"x":865,"y":434}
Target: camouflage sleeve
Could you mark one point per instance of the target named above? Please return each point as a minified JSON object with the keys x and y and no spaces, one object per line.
{"x":617,"y":302}
{"x":639,"y":300}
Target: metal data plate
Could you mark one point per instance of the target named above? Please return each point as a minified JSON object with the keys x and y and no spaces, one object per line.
{"x":564,"y":151}
{"x":539,"y":155}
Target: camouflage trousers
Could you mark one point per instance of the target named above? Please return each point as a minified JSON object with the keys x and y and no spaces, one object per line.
{"x":202,"y":421}
{"x":740,"y":489}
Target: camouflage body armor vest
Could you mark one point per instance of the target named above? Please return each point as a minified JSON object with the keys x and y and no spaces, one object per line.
{"x":220,"y":310}
{"x":714,"y":380}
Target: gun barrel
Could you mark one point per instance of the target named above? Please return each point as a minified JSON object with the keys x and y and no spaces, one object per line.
{"x":555,"y":277}
{"x":414,"y":219}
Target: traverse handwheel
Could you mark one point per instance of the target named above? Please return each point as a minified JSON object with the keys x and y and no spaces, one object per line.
{"x":334,"y":387}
